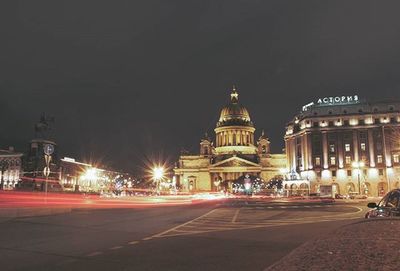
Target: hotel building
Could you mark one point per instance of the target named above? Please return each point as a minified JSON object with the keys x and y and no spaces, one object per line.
{"x":348,"y":143}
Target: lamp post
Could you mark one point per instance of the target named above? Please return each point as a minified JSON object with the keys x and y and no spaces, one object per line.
{"x":158,"y":174}
{"x":358,"y":166}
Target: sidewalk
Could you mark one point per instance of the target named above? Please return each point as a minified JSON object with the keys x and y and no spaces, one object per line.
{"x":365,"y":245}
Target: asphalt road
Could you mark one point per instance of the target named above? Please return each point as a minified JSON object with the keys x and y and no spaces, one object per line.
{"x":235,"y":235}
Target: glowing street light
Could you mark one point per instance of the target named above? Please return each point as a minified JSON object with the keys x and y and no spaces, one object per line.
{"x":358,"y":166}
{"x":91,"y":174}
{"x":158,"y":174}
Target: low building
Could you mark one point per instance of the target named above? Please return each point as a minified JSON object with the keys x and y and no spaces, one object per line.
{"x":10,"y":168}
{"x":351,"y":144}
{"x":71,"y":173}
{"x":233,"y":156}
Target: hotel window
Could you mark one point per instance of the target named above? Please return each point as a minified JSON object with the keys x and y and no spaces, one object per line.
{"x":395,"y":158}
{"x":379,"y":159}
{"x":347,"y":147}
{"x":332,"y":148}
{"x":380,"y":172}
{"x":333,"y":160}
{"x":333,"y":173}
{"x":363,"y":146}
{"x":349,"y":173}
{"x":348,"y":160}
{"x":317,"y":161}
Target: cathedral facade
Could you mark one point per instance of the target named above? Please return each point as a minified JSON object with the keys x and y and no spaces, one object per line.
{"x":232,"y":155}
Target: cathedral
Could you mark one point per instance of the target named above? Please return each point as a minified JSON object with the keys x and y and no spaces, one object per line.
{"x":232,"y":156}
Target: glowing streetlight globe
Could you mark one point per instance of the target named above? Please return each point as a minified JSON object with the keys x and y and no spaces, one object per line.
{"x":158,"y":173}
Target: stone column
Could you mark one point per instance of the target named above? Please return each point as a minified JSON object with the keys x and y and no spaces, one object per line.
{"x":371,"y":148}
{"x":303,"y":152}
{"x":294,"y":153}
{"x":305,"y":147}
{"x":355,"y":145}
{"x":309,"y":147}
{"x":340,"y":150}
{"x":325,"y":148}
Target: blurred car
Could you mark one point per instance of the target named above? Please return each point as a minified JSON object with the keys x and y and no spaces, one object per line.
{"x":340,"y":196}
{"x":389,"y":206}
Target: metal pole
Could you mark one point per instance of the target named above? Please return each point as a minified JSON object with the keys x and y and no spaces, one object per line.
{"x":45,"y":191}
{"x":359,"y":184}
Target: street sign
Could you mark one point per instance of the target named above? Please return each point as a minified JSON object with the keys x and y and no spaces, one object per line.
{"x":48,"y":149}
{"x":46,"y":171}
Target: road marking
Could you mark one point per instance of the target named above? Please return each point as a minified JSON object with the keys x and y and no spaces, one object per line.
{"x":115,"y":248}
{"x":190,"y":221}
{"x":94,"y":254}
{"x":221,"y":219}
{"x":147,"y":238}
{"x":235,"y":216}
{"x":133,"y":242}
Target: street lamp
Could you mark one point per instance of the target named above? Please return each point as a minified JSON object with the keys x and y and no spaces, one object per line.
{"x":89,"y":176}
{"x":158,"y":174}
{"x":358,"y":166}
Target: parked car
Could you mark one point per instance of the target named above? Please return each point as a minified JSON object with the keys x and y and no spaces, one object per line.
{"x":388,"y":206}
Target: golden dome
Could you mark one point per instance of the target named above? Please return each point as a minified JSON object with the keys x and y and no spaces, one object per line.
{"x":234,"y":113}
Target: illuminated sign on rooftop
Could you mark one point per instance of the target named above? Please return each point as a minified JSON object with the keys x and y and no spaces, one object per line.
{"x":333,"y":100}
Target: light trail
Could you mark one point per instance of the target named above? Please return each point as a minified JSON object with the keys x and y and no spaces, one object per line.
{"x":16,"y":199}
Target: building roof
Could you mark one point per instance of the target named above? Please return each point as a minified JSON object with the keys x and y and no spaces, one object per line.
{"x":358,"y":107}
{"x":234,"y":114}
{"x":8,"y":153}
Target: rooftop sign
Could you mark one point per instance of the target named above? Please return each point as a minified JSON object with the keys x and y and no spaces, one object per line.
{"x":333,"y":100}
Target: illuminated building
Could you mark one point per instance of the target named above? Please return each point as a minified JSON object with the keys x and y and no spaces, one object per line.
{"x":71,"y":172}
{"x":234,"y":155}
{"x":352,"y":144}
{"x":10,"y":168}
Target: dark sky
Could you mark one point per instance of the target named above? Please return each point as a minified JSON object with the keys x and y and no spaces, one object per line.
{"x":129,"y":81}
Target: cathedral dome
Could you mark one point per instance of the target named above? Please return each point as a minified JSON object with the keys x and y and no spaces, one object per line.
{"x":234,"y":113}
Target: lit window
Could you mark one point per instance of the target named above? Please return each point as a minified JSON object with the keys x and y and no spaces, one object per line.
{"x":363,"y":146}
{"x":317,"y":161}
{"x":332,"y":147}
{"x":348,"y":160}
{"x":333,"y":160}
{"x":347,"y":147}
{"x":379,"y":159}
{"x":395,"y":158}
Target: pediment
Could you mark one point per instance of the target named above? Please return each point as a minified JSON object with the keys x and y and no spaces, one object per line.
{"x":235,"y":162}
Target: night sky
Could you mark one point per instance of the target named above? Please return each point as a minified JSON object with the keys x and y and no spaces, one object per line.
{"x":130,"y":81}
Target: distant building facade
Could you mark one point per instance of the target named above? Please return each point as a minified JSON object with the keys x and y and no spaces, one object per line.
{"x":10,"y":168}
{"x":351,"y":144}
{"x":71,"y":172}
{"x":235,"y":154}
